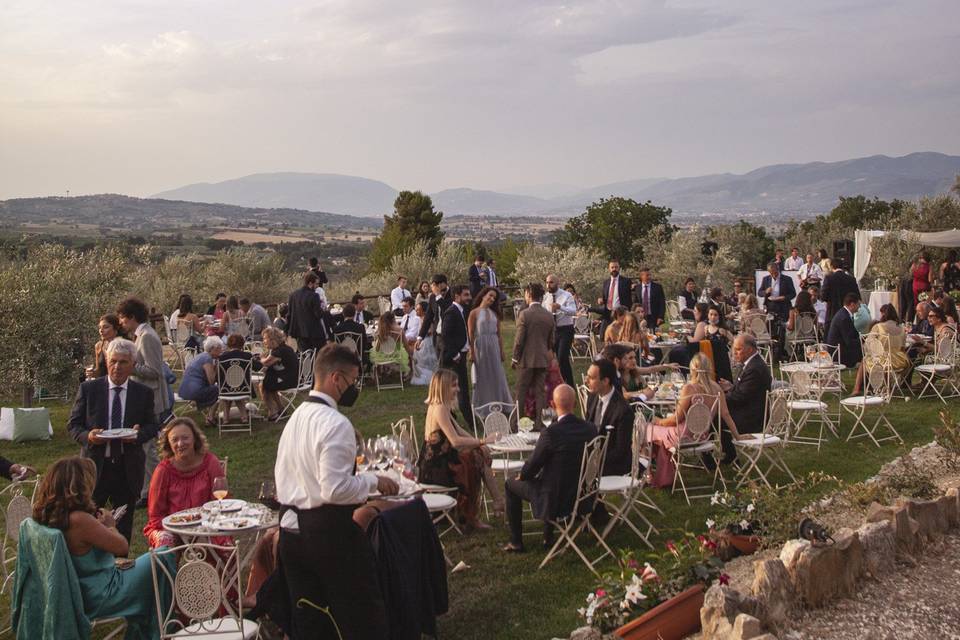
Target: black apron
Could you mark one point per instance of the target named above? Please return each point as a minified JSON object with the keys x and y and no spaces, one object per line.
{"x":331,"y":578}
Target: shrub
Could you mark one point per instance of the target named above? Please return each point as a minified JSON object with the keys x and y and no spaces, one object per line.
{"x":584,"y":267}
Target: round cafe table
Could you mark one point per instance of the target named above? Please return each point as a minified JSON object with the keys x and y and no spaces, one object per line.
{"x":810,"y":367}
{"x":515,"y":443}
{"x":245,"y":539}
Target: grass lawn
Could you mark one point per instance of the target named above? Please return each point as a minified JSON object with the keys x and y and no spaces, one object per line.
{"x":501,"y":595}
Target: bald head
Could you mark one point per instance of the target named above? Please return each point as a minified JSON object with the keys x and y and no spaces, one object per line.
{"x":552,"y":283}
{"x":564,"y":399}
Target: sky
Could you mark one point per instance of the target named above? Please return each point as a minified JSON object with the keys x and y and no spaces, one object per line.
{"x":139,"y":96}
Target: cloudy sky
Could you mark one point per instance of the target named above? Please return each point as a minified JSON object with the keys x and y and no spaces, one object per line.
{"x":137,"y":96}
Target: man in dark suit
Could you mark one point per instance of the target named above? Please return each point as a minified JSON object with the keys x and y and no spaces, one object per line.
{"x":650,"y":297}
{"x":606,"y":407}
{"x":778,"y":292}
{"x":617,"y":292}
{"x":533,"y":350}
{"x":307,"y":322}
{"x":747,"y":395}
{"x":436,"y":305}
{"x":360,"y":314}
{"x":314,"y":266}
{"x":108,"y":403}
{"x":549,"y":477}
{"x":844,"y":334}
{"x":475,"y":276}
{"x":835,"y":288}
{"x":456,"y":345}
{"x":349,"y":324}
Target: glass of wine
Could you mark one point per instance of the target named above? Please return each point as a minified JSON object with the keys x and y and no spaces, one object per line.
{"x":268,"y":495}
{"x":547,"y":416}
{"x":220,"y":490}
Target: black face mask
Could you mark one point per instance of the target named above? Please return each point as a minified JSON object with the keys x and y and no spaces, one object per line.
{"x":349,"y":396}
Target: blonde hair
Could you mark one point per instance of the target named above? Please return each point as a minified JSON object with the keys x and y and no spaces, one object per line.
{"x":199,"y":439}
{"x":701,"y":372}
{"x":630,"y":329}
{"x":441,"y":387}
{"x":750,"y":302}
{"x":274,"y":334}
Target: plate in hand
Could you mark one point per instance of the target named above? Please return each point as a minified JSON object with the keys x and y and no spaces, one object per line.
{"x":115,"y":434}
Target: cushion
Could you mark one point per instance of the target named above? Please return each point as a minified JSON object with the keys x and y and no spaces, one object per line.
{"x":616,"y":484}
{"x":31,"y":424}
{"x":6,"y":424}
{"x":806,"y":405}
{"x":757,"y":440}
{"x":860,"y":401}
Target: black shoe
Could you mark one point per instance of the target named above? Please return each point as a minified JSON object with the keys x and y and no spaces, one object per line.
{"x":728,"y":461}
{"x":142,"y":503}
{"x":549,"y":540}
{"x":599,"y":518}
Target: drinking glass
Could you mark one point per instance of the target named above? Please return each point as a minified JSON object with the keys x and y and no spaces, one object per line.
{"x":547,"y":416}
{"x":220,"y":490}
{"x":268,"y":495}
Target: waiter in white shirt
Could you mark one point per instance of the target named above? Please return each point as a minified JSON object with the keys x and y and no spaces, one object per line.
{"x":564,"y":308}
{"x":325,"y":558}
{"x":398,"y":294}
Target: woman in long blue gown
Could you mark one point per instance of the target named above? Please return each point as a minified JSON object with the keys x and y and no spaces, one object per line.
{"x":486,"y":347}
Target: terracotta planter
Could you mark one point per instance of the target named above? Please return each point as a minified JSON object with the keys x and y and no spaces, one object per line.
{"x":674,"y":619}
{"x":746,"y":545}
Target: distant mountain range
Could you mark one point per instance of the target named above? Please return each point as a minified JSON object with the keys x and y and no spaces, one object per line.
{"x":797,"y":189}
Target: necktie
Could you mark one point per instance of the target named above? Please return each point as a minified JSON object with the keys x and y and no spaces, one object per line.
{"x":613,"y":289}
{"x":116,"y":411}
{"x":646,"y":299}
{"x":406,"y":319}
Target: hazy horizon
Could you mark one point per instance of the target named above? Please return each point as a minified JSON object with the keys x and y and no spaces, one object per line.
{"x":137,"y":97}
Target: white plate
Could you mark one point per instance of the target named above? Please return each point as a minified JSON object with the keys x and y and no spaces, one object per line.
{"x":170,"y":520}
{"x":226,"y":506}
{"x":114,"y":434}
{"x":239,"y":523}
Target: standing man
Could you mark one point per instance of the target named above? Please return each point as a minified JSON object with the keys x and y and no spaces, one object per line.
{"x":321,"y":274}
{"x":563,"y":306}
{"x":794,"y":262}
{"x":747,"y":396}
{"x":325,"y":557}
{"x":616,"y":293}
{"x":436,"y":306}
{"x":810,"y":272}
{"x":109,"y":403}
{"x":778,"y":293}
{"x":476,"y":275}
{"x":456,"y":345}
{"x":835,"y":288}
{"x":844,"y":334}
{"x":399,"y":293}
{"x":778,"y":258}
{"x":492,"y":280}
{"x":306,"y":321}
{"x":651,"y":298}
{"x":532,"y":350}
{"x":147,"y":370}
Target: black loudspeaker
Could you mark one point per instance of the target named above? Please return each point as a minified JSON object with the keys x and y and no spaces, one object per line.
{"x":843,"y":249}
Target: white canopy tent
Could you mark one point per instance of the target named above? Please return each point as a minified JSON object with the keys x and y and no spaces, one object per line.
{"x":862,"y":238}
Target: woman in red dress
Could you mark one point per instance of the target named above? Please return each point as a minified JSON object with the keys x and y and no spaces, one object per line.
{"x":922,"y":274}
{"x":182,"y":480}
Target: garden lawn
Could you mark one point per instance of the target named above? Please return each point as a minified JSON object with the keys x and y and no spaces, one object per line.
{"x":505,"y":595}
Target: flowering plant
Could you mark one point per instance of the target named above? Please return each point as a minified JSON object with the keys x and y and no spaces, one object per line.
{"x":688,"y":561}
{"x":733,"y":512}
{"x":622,"y":595}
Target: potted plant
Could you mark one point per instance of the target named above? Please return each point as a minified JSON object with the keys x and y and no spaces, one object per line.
{"x":733,"y":523}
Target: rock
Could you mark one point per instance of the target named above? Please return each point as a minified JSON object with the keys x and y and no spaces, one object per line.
{"x":905,"y":527}
{"x":927,"y":514}
{"x":950,"y":509}
{"x":721,"y":605}
{"x":585,"y":633}
{"x":822,"y":574}
{"x":879,"y":547}
{"x":791,"y":552}
{"x":745,"y":627}
{"x":766,"y":636}
{"x":773,"y":588}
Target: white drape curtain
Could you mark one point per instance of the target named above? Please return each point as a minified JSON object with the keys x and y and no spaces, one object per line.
{"x":862,"y":238}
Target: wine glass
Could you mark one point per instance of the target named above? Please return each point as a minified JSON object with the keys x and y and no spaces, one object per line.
{"x":220,"y":490}
{"x":547,"y":416}
{"x":268,"y":495}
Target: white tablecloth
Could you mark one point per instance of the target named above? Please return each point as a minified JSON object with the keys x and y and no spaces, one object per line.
{"x":877,"y":300}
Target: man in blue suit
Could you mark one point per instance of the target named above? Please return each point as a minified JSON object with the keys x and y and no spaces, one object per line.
{"x":778,"y":292}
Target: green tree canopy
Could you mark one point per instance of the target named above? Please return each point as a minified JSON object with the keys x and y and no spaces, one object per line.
{"x":859,"y":212}
{"x":750,"y":246}
{"x":616,"y":227}
{"x":413,"y":220}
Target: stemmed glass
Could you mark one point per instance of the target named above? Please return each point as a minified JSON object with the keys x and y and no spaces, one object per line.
{"x":547,"y":416}
{"x":268,"y":495}
{"x":220,"y":490}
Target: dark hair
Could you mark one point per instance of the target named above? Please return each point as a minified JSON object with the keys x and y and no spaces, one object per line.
{"x":114,"y":322}
{"x":133,"y":308}
{"x":457,"y":289}
{"x":607,"y":370}
{"x":950,"y":308}
{"x":822,"y":254}
{"x":938,"y":311}
{"x":313,"y":261}
{"x":333,"y":358}
{"x":283,"y":309}
{"x":478,"y":258}
{"x":715,"y":292}
{"x":535,"y":289}
{"x":244,"y":302}
{"x":804,"y":303}
{"x":569,"y":287}
{"x":439,"y":279}
{"x":619,"y":312}
{"x":186,"y":305}
{"x":357,"y":297}
{"x":309,"y":278}
{"x":423,"y":284}
{"x":738,"y":283}
{"x":424,"y":305}
{"x":839,"y":263}
{"x":495,"y":307}
{"x":888,"y":313}
{"x":850,"y":297}
{"x":952,"y":255}
{"x":489,"y":261}
{"x":233,"y":303}
{"x":67,"y":486}
{"x":615,"y":351}
{"x":703,"y":308}
{"x":235,"y":341}
{"x":644,"y":269}
{"x":399,"y":278}
{"x":349,"y":310}
{"x":688,"y":281}
{"x":409,"y":301}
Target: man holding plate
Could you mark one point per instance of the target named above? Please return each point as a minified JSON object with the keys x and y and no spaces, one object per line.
{"x":112,"y":418}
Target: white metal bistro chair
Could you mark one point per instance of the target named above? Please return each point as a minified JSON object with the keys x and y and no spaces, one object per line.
{"x":759,"y":326}
{"x":807,"y":405}
{"x":490,"y":419}
{"x":16,"y":505}
{"x":441,"y":507}
{"x":304,"y":381}
{"x":939,"y":370}
{"x":697,"y":439}
{"x":203,"y":605}
{"x":877,"y":390}
{"x":583,"y":393}
{"x":383,"y":304}
{"x":233,"y":378}
{"x":571,"y":525}
{"x":630,"y":489}
{"x":581,"y":349}
{"x":388,"y":347}
{"x":805,"y":333}
{"x":353,"y":341}
{"x":765,"y":447}
{"x":673,"y":311}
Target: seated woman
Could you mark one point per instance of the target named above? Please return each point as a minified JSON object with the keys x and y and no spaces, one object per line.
{"x":235,"y":351}
{"x":217,"y":326}
{"x":388,"y":328}
{"x":803,"y":304}
{"x":690,"y":345}
{"x":888,"y":325}
{"x":109,"y":328}
{"x":612,"y":332}
{"x":282,"y":368}
{"x":624,"y":358}
{"x":189,"y":323}
{"x":232,"y":320}
{"x":450,"y":457}
{"x":182,"y":480}
{"x":64,"y":501}
{"x":667,"y":433}
{"x":199,"y":383}
{"x":633,"y":331}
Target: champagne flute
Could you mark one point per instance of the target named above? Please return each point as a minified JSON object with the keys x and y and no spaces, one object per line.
{"x":220,"y":490}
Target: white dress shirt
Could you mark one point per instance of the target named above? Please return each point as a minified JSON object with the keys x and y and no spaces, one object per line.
{"x":410,"y":324}
{"x":808,"y":270}
{"x":315,"y":461}
{"x":397,"y":296}
{"x":615,"y":301}
{"x":567,"y":310}
{"x":793,"y":264}
{"x":492,"y":277}
{"x":323,"y":297}
{"x":123,"y":407}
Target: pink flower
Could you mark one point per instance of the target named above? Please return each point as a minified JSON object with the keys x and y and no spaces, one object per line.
{"x":633,"y":564}
{"x":724,"y":578}
{"x":601,"y":593}
{"x":649,"y":574}
{"x":711,"y":545}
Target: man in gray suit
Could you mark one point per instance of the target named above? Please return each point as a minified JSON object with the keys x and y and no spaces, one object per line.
{"x":148,"y":370}
{"x":533,"y":349}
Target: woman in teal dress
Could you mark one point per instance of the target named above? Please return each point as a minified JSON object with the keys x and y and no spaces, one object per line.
{"x":64,"y":501}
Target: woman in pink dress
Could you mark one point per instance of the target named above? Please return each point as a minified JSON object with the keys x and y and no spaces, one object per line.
{"x":921,"y":276}
{"x":182,"y":480}
{"x":668,"y":432}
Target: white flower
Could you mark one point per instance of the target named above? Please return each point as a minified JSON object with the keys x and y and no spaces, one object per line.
{"x":634,"y":591}
{"x":715,"y":498}
{"x":750,"y":508}
{"x":723,"y":501}
{"x":744,"y":524}
{"x":710,"y":523}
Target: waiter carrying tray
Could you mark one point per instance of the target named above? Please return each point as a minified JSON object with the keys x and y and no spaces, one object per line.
{"x":325,"y":557}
